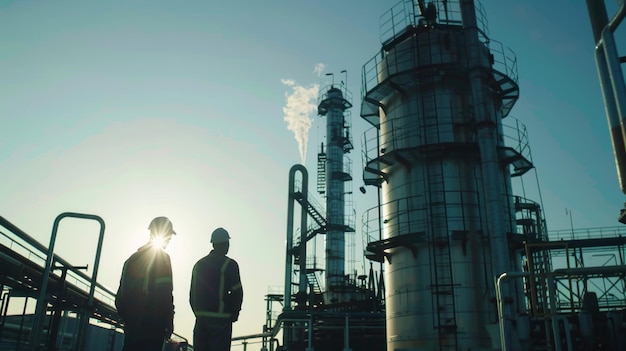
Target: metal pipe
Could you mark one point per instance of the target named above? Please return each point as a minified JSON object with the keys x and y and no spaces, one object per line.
{"x":553,"y":314}
{"x":566,"y":330}
{"x":504,"y":336}
{"x":611,"y":79}
{"x":289,"y":244}
{"x":614,"y":70}
{"x":346,"y":336}
{"x":486,"y":131}
{"x":252,"y":336}
{"x":40,"y":309}
{"x":302,"y":281}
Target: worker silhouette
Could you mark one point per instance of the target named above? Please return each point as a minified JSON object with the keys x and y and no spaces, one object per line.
{"x":215,"y":296}
{"x":144,"y":298}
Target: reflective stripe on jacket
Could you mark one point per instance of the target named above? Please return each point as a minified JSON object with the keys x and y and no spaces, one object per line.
{"x":145,"y":290}
{"x":216,"y":287}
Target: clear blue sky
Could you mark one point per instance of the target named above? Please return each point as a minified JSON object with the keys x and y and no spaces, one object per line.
{"x":136,"y":109}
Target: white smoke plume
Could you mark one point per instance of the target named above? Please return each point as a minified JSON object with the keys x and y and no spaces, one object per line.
{"x":301,"y":102}
{"x":319,"y":69}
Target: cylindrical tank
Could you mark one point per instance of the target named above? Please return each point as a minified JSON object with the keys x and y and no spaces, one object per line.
{"x":445,"y":186}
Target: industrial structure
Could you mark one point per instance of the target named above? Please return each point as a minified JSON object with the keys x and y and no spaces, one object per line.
{"x":459,"y":258}
{"x":468,"y":264}
{"x":329,"y":302}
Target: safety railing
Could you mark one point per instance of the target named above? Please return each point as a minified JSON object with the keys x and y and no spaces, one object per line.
{"x":588,"y":233}
{"x":407,"y":132}
{"x":33,"y":251}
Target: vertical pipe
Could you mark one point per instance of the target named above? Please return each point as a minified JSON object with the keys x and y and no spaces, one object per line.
{"x":4,"y":307}
{"x":611,"y":81}
{"x":268,"y":324}
{"x":486,"y":130}
{"x":288,"y":247}
{"x":566,"y":331}
{"x":346,"y":334}
{"x":379,"y":205}
{"x":289,"y":244}
{"x":302,"y":282}
{"x":501,"y":320}
{"x":289,"y":240}
{"x":40,"y":309}
{"x":19,"y":334}
{"x":614,"y":70}
{"x":82,"y":335}
{"x":287,"y":331}
{"x":505,"y":335}
{"x":553,"y":314}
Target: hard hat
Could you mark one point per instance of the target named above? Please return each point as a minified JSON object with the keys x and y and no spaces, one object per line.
{"x":161,"y":225}
{"x":219,"y":235}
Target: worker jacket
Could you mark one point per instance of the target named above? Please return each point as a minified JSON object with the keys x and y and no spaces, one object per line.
{"x":216,"y":293}
{"x":145,"y":295}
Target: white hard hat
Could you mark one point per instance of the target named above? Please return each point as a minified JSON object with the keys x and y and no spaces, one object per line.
{"x":219,"y":235}
{"x":161,"y":226}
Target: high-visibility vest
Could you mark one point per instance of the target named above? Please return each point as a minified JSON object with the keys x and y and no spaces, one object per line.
{"x":216,"y":290}
{"x":145,"y":290}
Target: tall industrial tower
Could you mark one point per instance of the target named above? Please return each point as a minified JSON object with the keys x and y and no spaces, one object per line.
{"x":436,"y":96}
{"x":334,"y":181}
{"x":467,"y":264}
{"x":330,"y":316}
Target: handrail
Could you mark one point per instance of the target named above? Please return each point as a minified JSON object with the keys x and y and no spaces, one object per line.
{"x":307,"y":318}
{"x":43,"y":252}
{"x":587,"y":233}
{"x":41,"y":301}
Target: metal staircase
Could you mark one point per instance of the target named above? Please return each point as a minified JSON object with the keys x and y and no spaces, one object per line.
{"x":539,"y":264}
{"x":313,"y":282}
{"x":311,"y":210}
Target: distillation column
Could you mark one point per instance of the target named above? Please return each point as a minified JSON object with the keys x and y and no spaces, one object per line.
{"x":334,"y":105}
{"x":440,"y":161}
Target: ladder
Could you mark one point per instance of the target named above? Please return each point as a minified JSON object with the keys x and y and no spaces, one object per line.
{"x":442,"y":281}
{"x":321,"y":173}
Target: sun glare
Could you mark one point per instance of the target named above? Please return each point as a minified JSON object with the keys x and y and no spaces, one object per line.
{"x":160,"y":242}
